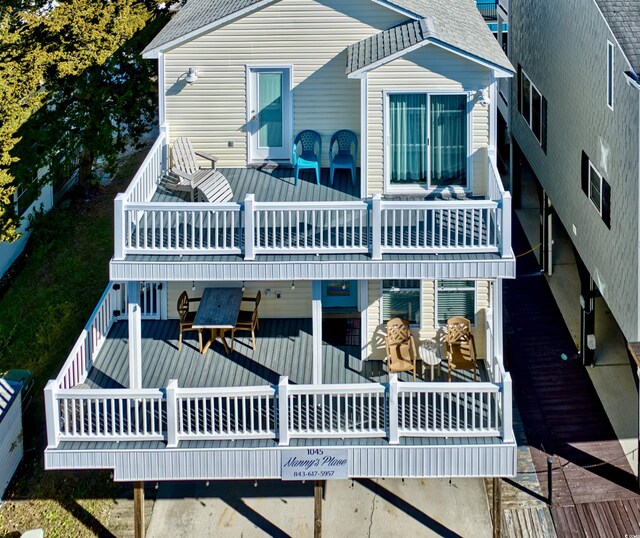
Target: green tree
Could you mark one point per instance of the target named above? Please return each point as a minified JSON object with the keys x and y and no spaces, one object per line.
{"x":64,"y":68}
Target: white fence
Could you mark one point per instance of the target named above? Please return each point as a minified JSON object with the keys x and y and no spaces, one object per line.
{"x":145,"y":182}
{"x":281,"y":413}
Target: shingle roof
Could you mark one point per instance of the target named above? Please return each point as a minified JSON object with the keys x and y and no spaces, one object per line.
{"x":451,"y":22}
{"x":455,"y":22}
{"x":623,"y":16}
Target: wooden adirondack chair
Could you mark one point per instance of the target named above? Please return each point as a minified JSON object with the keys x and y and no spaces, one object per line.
{"x":207,"y":184}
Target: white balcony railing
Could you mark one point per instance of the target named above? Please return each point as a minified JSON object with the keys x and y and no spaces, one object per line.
{"x":250,"y":228}
{"x":281,"y":413}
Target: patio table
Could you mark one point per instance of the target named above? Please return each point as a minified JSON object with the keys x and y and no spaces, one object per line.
{"x":430,"y":356}
{"x":218,"y":311}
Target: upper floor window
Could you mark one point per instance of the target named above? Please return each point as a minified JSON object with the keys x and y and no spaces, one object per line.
{"x":610,"y":74}
{"x":596,"y":187}
{"x":533,"y":107}
{"x":401,"y":299}
{"x":455,"y":298}
{"x":427,"y":139}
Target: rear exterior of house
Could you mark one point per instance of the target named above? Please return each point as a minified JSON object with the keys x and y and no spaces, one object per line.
{"x":422,"y":232}
{"x":574,"y":118}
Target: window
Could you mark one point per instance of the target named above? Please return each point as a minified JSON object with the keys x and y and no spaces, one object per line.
{"x":455,"y":298}
{"x":610,"y":74}
{"x":533,"y":107}
{"x":427,"y":141}
{"x":401,"y":299}
{"x":597,"y":189}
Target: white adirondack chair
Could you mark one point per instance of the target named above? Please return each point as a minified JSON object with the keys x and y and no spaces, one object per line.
{"x":208,"y":184}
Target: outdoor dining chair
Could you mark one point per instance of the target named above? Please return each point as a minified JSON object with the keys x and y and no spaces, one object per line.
{"x":309,"y":158}
{"x":186,"y":317}
{"x":248,"y":320}
{"x":344,"y":157}
{"x":461,"y":347}
{"x":401,"y":349}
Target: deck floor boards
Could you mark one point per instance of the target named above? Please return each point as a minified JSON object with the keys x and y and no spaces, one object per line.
{"x":283,"y":347}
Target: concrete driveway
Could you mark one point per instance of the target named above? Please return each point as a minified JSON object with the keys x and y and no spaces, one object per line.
{"x":430,"y":507}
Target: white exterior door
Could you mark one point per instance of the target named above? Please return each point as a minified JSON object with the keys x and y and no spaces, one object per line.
{"x":269,"y":113}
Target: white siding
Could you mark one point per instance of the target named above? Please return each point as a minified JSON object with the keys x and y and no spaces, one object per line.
{"x":293,"y":303}
{"x":429,"y":68}
{"x":429,"y":329}
{"x":11,"y":447}
{"x":311,"y":36}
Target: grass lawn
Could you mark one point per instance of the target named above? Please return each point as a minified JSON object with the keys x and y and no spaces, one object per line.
{"x":41,"y":316}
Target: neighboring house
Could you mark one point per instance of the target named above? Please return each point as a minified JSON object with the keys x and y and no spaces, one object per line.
{"x":423,"y":232}
{"x":575,"y":118}
{"x":11,"y":447}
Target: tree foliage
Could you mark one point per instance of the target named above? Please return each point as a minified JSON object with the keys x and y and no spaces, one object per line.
{"x":71,"y":79}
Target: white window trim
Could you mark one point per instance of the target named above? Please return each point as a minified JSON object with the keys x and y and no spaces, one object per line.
{"x":422,"y":190}
{"x":381,"y":317}
{"x":528,"y":119}
{"x":437,"y":325}
{"x":592,"y":167}
{"x":251,"y":159}
{"x":610,"y":68}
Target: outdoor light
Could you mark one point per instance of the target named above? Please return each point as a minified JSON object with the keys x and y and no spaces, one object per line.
{"x":482,"y":98}
{"x":193,"y":286}
{"x":243,"y":285}
{"x":293,"y":285}
{"x":192,"y":75}
{"x":344,"y":285}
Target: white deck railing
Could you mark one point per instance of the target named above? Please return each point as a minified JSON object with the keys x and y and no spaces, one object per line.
{"x":79,"y":361}
{"x":249,"y":228}
{"x":281,"y":413}
{"x":144,"y":183}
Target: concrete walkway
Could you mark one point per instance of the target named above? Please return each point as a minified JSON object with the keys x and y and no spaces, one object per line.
{"x":434,"y":507}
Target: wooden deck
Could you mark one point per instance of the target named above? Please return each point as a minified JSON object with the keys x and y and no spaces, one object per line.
{"x":594,"y":490}
{"x":278,"y":185}
{"x":283,"y":348}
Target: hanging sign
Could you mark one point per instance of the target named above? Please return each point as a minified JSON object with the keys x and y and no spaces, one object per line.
{"x":315,"y":464}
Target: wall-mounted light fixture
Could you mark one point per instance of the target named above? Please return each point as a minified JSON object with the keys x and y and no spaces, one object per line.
{"x":482,"y":98}
{"x":192,"y":75}
{"x":293,"y":285}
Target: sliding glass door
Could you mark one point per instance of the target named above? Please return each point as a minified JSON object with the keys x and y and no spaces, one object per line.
{"x":427,"y":139}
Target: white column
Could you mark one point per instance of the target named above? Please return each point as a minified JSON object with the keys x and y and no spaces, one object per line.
{"x":118,"y":227}
{"x":135,"y":335}
{"x":364,"y":126}
{"x":392,"y":419}
{"x":507,"y":410}
{"x":316,"y":330}
{"x":172,"y":413}
{"x":363,"y":302}
{"x":376,"y":227}
{"x":249,"y":223}
{"x":52,"y":410}
{"x":283,"y":411}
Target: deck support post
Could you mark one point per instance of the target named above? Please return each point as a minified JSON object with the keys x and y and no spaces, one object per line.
{"x":546,"y":234}
{"x":316,"y":331}
{"x":249,"y":227}
{"x":118,"y":227}
{"x":317,"y":508}
{"x":52,"y":414}
{"x":283,"y":411}
{"x":138,"y":509}
{"x":507,"y":410}
{"x":588,"y":293}
{"x":135,"y":335}
{"x":172,"y":413}
{"x":497,"y":507}
{"x":505,"y":226}
{"x":392,"y":420}
{"x":376,"y":227}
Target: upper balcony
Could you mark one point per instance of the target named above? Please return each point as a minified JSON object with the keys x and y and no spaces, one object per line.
{"x":271,"y":219}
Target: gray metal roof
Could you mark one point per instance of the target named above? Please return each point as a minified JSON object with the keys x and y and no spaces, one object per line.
{"x":455,"y":22}
{"x":623,"y":16}
{"x":459,"y":26}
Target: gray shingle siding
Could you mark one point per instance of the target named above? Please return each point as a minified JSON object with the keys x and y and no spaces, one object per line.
{"x":565,"y":57}
{"x":623,"y":16}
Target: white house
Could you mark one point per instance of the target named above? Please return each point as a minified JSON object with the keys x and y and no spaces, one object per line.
{"x":422,"y":232}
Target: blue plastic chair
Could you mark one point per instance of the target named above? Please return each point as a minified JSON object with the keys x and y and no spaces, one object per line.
{"x":344,"y":158}
{"x":308,"y":157}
